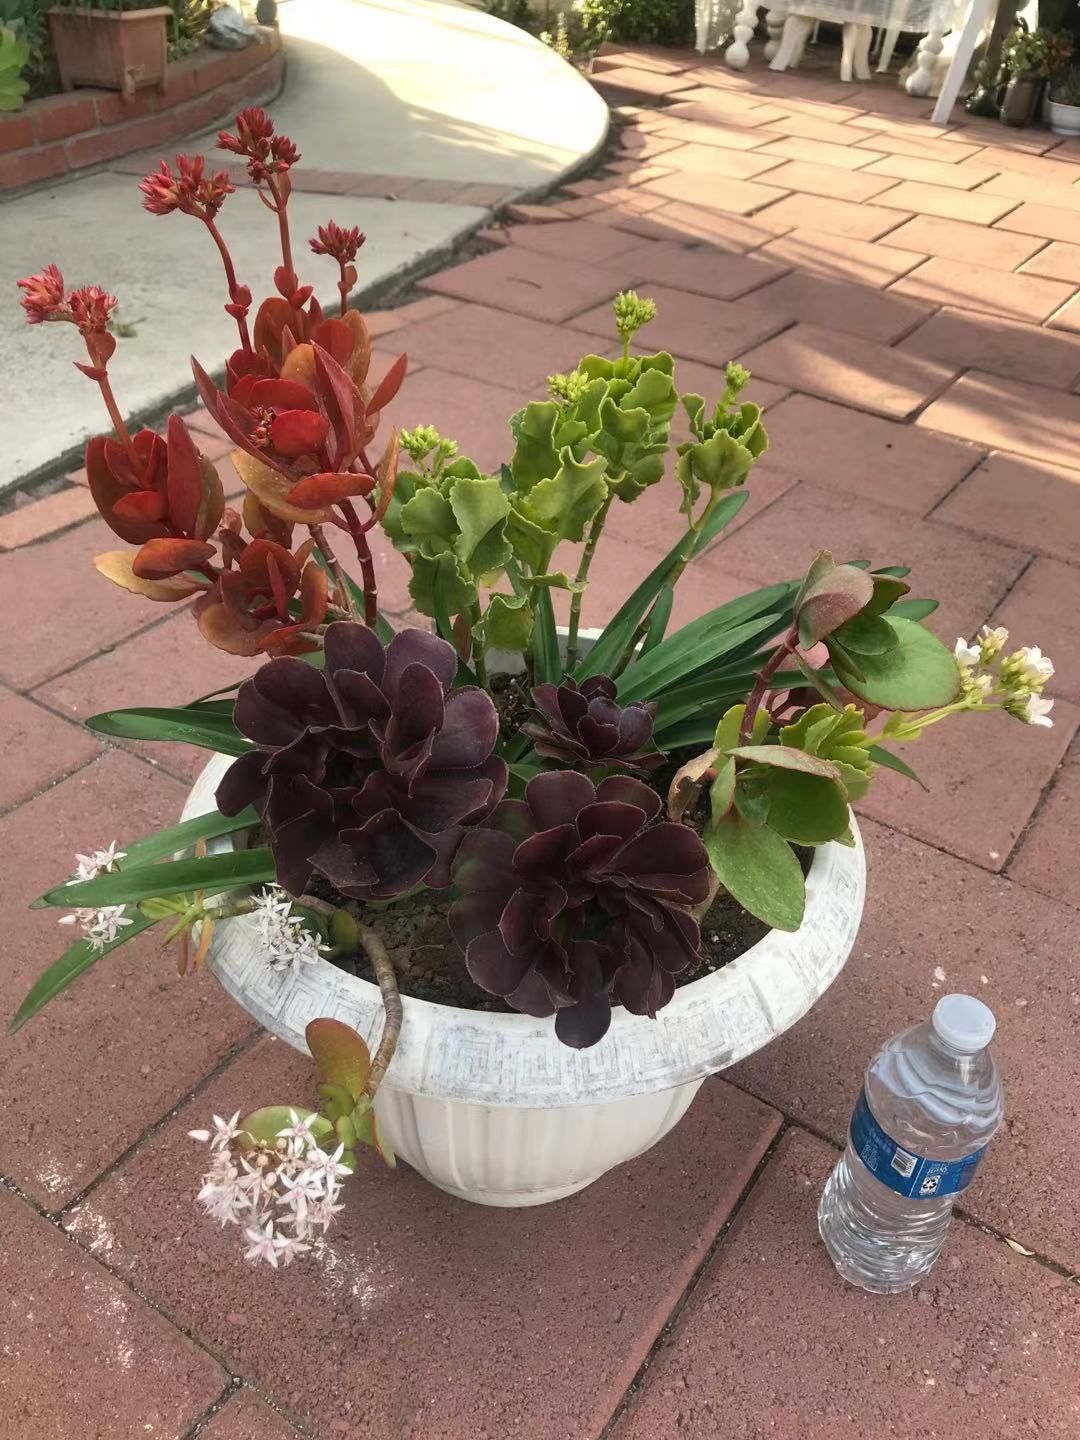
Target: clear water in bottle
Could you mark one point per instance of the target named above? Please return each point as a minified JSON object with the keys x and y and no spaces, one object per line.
{"x":930,"y":1104}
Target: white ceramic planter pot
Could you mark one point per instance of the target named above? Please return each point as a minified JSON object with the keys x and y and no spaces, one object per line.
{"x":491,"y":1107}
{"x":1063,"y":119}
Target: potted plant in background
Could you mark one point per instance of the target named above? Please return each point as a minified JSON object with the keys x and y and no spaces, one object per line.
{"x":113,"y":44}
{"x":1062,"y":110}
{"x":555,"y":878}
{"x":1028,"y":58}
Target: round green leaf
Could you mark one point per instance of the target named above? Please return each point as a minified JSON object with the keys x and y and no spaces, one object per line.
{"x":919,"y":674}
{"x":759,"y":869}
{"x":806,"y":809}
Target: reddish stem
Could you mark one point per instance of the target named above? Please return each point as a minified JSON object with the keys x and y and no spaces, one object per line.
{"x":230,"y":279}
{"x":122,"y":433}
{"x":343,"y":287}
{"x":367,"y":565}
{"x":280,"y":203}
{"x":761,"y":684}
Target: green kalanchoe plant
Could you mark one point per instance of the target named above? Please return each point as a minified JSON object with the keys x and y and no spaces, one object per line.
{"x":374,"y":768}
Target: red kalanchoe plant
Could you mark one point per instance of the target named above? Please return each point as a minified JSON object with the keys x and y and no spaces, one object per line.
{"x":342,"y":245}
{"x":191,"y":190}
{"x":585,"y":725}
{"x":267,"y":153}
{"x":44,"y":297}
{"x":246,"y":611}
{"x":574,"y":895}
{"x":367,"y":771}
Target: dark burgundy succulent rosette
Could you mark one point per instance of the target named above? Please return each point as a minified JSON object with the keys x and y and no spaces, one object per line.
{"x":369,"y":770}
{"x":576,"y":895}
{"x":585,"y":724}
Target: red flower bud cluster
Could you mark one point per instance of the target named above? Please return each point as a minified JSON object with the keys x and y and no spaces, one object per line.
{"x":334,"y":240}
{"x":190,"y":190}
{"x":267,"y":153}
{"x":89,"y":307}
{"x":44,"y":298}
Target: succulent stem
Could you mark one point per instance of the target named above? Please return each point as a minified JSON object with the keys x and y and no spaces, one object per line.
{"x":333,"y":564}
{"x":230,"y":280}
{"x":581,"y":578}
{"x":367,"y":565}
{"x":761,"y":683}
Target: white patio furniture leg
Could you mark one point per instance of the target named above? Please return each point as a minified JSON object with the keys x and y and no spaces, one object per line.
{"x":847,"y":52}
{"x":737,"y":53}
{"x":792,"y":42}
{"x":888,"y":45}
{"x":920,"y":81}
{"x":774,"y":23}
{"x":861,"y":58}
{"x":965,"y":48}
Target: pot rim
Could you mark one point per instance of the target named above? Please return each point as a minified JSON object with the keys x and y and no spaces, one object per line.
{"x":494,"y":1058}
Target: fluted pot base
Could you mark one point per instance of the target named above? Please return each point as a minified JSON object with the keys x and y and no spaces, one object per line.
{"x":510,"y":1155}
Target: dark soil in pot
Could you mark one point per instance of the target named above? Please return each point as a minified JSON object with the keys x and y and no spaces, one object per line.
{"x":430,"y":965}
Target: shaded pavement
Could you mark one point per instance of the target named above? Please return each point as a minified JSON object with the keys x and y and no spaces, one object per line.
{"x":906,"y":299}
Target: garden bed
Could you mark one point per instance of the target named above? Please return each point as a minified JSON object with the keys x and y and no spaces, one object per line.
{"x":58,"y":134}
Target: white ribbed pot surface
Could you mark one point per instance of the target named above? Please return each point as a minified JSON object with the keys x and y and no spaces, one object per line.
{"x":490,"y":1107}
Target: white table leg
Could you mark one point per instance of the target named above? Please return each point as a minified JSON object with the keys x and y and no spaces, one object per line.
{"x":888,"y":45}
{"x":965,"y":48}
{"x":920,"y":81}
{"x":774,"y":23}
{"x":737,"y":53}
{"x":864,"y":34}
{"x":792,"y":42}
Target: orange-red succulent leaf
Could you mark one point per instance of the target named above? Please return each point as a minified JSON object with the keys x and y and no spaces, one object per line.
{"x":184,"y":483}
{"x":390,"y":384}
{"x":160,"y":559}
{"x":116,"y":565}
{"x":328,"y":489}
{"x":298,"y":432}
{"x":271,"y":490}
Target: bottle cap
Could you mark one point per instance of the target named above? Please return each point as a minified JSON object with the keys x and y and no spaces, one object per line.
{"x":964,"y":1023}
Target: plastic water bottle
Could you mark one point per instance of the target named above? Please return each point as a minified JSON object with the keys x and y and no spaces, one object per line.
{"x":930,"y":1103}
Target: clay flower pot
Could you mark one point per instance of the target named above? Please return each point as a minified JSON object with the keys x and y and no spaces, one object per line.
{"x":113,"y":49}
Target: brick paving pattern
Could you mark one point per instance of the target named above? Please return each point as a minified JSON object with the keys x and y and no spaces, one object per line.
{"x":907,"y":298}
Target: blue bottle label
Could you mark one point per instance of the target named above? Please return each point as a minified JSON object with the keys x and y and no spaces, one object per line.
{"x":902,"y":1170}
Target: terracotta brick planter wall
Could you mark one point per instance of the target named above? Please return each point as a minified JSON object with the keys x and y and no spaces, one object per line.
{"x":61,"y":133}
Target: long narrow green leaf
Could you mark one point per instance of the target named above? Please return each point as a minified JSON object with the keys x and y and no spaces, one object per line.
{"x":177,"y":838}
{"x":545,"y":641}
{"x":695,"y":645}
{"x":619,"y":631}
{"x":659,"y":616}
{"x":209,"y":873}
{"x":208,"y":729}
{"x":701,"y":697}
{"x":884,"y":757}
{"x":74,"y":961}
{"x":211,"y":707}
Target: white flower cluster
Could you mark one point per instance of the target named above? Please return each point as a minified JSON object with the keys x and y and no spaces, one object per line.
{"x":288,"y":943}
{"x":280,"y":1195}
{"x":101,"y":926}
{"x":1020,"y":678}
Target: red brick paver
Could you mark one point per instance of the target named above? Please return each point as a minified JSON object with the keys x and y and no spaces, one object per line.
{"x":82,"y":1354}
{"x":773,"y":1342}
{"x":906,"y":297}
{"x":567,"y":1300}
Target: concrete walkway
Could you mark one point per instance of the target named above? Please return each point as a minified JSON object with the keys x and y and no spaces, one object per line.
{"x":377,"y":95}
{"x":903,"y":296}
